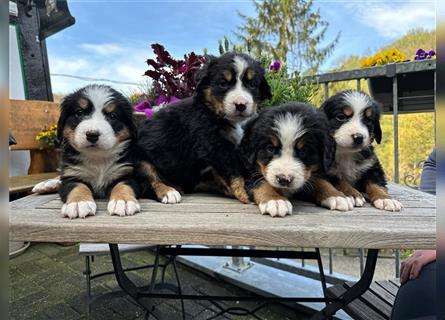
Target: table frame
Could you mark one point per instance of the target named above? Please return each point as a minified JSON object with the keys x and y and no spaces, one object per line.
{"x":142,"y":295}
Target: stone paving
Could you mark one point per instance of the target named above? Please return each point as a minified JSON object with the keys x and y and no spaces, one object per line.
{"x":46,"y":282}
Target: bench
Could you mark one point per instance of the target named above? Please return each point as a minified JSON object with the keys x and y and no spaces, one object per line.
{"x":376,"y":303}
{"x":26,"y":119}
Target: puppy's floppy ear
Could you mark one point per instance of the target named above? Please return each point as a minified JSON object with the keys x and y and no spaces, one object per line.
{"x":265,"y":89}
{"x":62,"y":119}
{"x":201,"y":74}
{"x":376,"y":123}
{"x":328,"y":152}
{"x":247,"y":147}
{"x":377,"y":131}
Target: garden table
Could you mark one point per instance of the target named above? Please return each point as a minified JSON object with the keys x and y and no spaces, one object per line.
{"x":204,"y":219}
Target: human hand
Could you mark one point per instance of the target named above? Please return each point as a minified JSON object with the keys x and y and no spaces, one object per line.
{"x":411,"y":267}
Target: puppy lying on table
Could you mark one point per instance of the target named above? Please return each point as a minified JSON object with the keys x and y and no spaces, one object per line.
{"x":287,"y":150}
{"x":96,"y":133}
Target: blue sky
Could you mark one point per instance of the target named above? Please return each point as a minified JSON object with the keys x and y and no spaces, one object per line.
{"x":111,"y":38}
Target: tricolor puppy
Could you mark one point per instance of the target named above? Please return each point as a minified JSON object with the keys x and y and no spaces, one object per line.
{"x":200,"y":133}
{"x":97,"y":132}
{"x":354,"y":119}
{"x":286,"y":149}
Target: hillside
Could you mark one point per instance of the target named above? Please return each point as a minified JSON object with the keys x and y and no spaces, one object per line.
{"x":416,"y":131}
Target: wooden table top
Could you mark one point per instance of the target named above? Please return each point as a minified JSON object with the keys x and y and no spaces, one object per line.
{"x":215,"y":220}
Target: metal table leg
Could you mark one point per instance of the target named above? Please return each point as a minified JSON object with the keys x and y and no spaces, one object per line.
{"x":355,"y":291}
{"x":128,"y":286}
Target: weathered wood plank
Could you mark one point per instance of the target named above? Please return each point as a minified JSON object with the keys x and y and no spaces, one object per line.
{"x":241,"y":228}
{"x":26,"y":183}
{"x":371,"y":299}
{"x":43,"y":113}
{"x":382,"y":293}
{"x":216,"y":220}
{"x":357,"y":309}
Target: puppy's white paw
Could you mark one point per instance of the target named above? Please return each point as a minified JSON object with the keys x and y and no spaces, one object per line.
{"x":359,"y":201}
{"x":388,"y":204}
{"x":171,"y":196}
{"x":123,"y":208}
{"x":47,"y":186}
{"x":338,"y":203}
{"x":276,"y":208}
{"x":80,"y":209}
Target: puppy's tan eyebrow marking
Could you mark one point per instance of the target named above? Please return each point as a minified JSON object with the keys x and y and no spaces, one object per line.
{"x":275,"y":142}
{"x":300,"y":143}
{"x":83,"y":103}
{"x":227,"y":75}
{"x":368,"y":112}
{"x":110,"y":107}
{"x":250,"y":74}
{"x":348,"y":111}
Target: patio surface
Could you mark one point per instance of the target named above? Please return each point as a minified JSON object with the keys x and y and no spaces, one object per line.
{"x":46,"y":282}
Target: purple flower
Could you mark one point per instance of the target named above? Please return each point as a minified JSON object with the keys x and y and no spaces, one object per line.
{"x":173,"y":100}
{"x":149,"y":112}
{"x":275,"y":65}
{"x":422,"y":54}
{"x":142,"y":106}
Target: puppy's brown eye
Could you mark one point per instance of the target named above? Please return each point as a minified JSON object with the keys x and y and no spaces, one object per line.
{"x":79,"y":112}
{"x":270,"y":149}
{"x":223,"y":84}
{"x":112,"y":116}
{"x":252,"y":84}
{"x":341,"y":117}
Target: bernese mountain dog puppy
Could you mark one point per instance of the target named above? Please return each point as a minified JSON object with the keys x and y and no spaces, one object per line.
{"x":286,"y":150}
{"x":201,"y":133}
{"x":354,"y":123}
{"x":96,"y":132}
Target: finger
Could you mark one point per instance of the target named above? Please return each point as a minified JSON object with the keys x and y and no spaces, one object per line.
{"x":415,"y":270}
{"x":405,"y":271}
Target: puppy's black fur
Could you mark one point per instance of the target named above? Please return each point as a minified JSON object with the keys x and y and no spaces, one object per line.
{"x":354,"y":122}
{"x":284,"y":148}
{"x":97,"y":136}
{"x":182,"y":140}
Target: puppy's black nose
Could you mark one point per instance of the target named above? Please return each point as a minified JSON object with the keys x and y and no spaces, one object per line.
{"x":357,"y":138}
{"x":284,"y":180}
{"x":92,"y":136}
{"x":240,"y":107}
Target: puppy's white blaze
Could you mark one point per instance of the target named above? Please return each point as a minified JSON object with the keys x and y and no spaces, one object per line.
{"x":98,"y":95}
{"x":289,"y":128}
{"x":358,"y":101}
{"x":239,"y":94}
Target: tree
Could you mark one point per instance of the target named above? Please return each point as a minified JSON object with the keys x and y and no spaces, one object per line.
{"x":288,"y":30}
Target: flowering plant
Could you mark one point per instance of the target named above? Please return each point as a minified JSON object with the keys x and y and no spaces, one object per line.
{"x":382,"y":58}
{"x":423,"y":55}
{"x":173,"y":77}
{"x":285,"y":87}
{"x":48,"y":136}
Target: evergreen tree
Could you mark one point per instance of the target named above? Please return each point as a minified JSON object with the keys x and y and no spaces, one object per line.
{"x":288,"y":30}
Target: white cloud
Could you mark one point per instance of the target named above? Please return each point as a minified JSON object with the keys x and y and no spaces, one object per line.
{"x":125,"y":64}
{"x":395,"y":19}
{"x":103,"y":49}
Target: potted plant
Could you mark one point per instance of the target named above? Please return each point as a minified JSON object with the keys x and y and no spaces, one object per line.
{"x":415,"y":89}
{"x":49,"y":154}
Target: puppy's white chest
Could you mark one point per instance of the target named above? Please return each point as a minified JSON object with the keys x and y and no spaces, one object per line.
{"x":348,"y":167}
{"x":99,"y":174}
{"x":235,"y":134}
